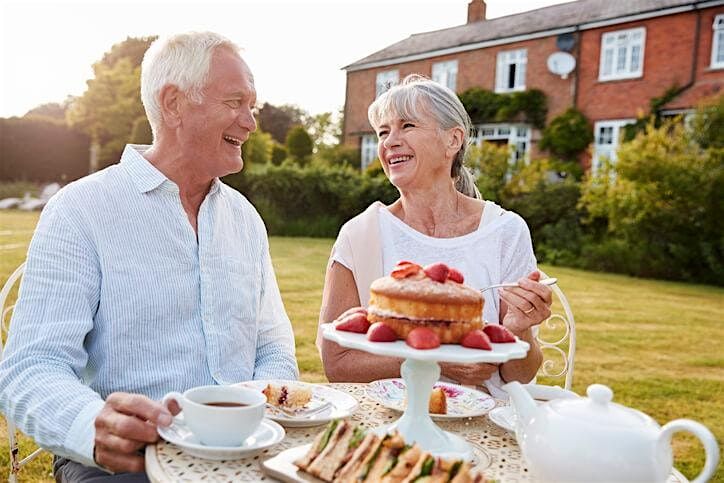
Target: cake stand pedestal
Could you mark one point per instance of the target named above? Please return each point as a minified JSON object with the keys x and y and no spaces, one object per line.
{"x":420,"y":372}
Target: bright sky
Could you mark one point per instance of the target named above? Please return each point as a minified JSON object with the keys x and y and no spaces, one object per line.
{"x":296,"y":49}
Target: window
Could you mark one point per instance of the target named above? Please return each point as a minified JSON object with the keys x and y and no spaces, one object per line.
{"x":517,"y":136}
{"x":368,"y":151}
{"x":717,"y":43}
{"x":622,"y":54}
{"x":510,"y":71}
{"x":608,"y":136}
{"x":446,"y":73}
{"x":385,"y":80}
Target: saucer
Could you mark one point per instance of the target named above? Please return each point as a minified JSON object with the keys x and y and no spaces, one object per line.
{"x":267,"y":434}
{"x":504,"y":416}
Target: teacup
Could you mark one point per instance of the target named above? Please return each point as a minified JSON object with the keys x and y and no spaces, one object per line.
{"x":220,"y":415}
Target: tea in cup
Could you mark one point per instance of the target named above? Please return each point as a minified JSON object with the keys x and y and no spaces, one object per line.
{"x":220,"y":415}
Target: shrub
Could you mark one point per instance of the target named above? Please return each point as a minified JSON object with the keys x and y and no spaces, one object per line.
{"x":279,"y":153}
{"x":490,"y":165}
{"x":257,"y":150}
{"x":707,"y":124}
{"x":299,"y":144}
{"x":663,"y":205}
{"x":487,"y":106}
{"x":567,"y":135}
{"x":548,"y":204}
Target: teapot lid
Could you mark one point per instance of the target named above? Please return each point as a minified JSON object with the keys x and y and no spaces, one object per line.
{"x":599,"y":409}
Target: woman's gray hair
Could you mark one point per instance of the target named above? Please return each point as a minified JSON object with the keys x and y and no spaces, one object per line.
{"x":182,"y":60}
{"x":416,"y":97}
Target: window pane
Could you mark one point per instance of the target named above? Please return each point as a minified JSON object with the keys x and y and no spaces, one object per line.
{"x":635,"y":58}
{"x":511,"y":76}
{"x":720,"y":47}
{"x":607,"y":62}
{"x":621,"y":59}
{"x":520,"y":80}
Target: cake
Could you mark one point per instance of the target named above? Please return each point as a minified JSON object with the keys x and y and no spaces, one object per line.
{"x":434,"y":297}
{"x":287,"y":396}
{"x":438,"y":401}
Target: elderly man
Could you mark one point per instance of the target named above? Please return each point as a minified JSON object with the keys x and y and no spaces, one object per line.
{"x":148,"y":276}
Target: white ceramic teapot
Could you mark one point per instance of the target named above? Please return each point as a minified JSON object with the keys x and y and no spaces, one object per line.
{"x":593,"y":439}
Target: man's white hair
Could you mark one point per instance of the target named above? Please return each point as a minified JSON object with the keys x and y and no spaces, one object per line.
{"x":182,"y":60}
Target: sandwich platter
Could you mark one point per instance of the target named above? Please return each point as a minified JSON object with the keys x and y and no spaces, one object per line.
{"x":420,"y":372}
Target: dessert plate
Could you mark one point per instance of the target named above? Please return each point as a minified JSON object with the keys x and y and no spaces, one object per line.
{"x":462,"y":402}
{"x":268,"y":434}
{"x":341,"y":404}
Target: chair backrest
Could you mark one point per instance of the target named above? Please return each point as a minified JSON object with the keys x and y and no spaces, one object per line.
{"x":557,"y":339}
{"x":7,"y":308}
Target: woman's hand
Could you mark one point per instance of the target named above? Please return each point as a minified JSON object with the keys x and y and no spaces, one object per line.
{"x":469,"y":374}
{"x":527,"y":305}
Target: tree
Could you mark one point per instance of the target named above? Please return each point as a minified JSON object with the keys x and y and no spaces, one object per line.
{"x":257,"y":149}
{"x":50,"y":110}
{"x":299,"y":144}
{"x":277,"y":121}
{"x":110,"y":106}
{"x":325,"y":129}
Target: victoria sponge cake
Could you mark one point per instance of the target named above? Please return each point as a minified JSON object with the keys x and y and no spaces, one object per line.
{"x":433,"y":297}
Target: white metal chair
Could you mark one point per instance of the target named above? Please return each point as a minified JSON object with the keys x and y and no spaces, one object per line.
{"x":15,"y":463}
{"x":557,"y":339}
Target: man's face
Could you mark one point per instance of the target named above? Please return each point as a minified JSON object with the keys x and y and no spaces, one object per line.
{"x":212,"y":131}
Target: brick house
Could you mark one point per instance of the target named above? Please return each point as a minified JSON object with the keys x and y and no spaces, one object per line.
{"x":625,"y":53}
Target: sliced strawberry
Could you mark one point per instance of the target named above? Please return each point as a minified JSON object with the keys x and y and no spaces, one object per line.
{"x":476,"y":339}
{"x":455,"y":275}
{"x":405,"y":262}
{"x":381,"y":332}
{"x":404,"y":271}
{"x":353,"y":310}
{"x":353,"y":323}
{"x":498,"y":333}
{"x":423,"y":338}
{"x":437,"y":271}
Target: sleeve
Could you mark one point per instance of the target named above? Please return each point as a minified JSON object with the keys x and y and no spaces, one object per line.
{"x":275,"y":354}
{"x":40,"y":375}
{"x":520,"y":259}
{"x":342,"y":251}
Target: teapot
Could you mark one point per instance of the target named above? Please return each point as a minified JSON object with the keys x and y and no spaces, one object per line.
{"x":594,"y":439}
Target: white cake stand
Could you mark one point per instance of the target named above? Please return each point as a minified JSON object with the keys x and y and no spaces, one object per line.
{"x":420,"y":372}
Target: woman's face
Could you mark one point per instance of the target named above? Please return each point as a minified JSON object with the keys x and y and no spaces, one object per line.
{"x":416,"y":153}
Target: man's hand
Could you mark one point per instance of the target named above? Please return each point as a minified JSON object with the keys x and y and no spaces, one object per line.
{"x":125,"y":425}
{"x":527,"y":305}
{"x":469,"y":374}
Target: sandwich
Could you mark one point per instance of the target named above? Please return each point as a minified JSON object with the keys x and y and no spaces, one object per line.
{"x":344,"y":453}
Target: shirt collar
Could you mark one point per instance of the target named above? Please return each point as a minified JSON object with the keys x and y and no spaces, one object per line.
{"x":145,"y":175}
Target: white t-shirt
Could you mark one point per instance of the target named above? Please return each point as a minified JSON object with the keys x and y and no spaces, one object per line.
{"x":500,"y":250}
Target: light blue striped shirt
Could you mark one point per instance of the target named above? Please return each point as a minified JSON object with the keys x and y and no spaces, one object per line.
{"x":118,"y":295}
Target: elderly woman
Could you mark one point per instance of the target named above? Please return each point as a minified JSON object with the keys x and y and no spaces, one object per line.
{"x":423,"y":132}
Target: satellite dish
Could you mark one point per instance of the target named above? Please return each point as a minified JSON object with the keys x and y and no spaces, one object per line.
{"x":561,"y":63}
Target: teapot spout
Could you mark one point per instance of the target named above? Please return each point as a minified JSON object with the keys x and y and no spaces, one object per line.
{"x":522,"y":401}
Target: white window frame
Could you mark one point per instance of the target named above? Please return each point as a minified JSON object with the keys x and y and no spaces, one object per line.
{"x":368,"y":150}
{"x":517,"y":135}
{"x":505,"y":59}
{"x":717,"y":43}
{"x":619,"y":47}
{"x":607,"y":150}
{"x":385,"y":80}
{"x":446,"y":73}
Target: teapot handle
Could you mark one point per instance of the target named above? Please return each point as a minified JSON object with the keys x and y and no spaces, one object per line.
{"x":705,"y":436}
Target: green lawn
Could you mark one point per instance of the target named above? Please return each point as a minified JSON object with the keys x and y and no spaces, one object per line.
{"x":657,"y":344}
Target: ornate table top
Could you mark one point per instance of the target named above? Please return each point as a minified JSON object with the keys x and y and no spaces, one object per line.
{"x":495,"y":448}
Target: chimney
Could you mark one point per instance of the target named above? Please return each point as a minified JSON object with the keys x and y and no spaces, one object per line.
{"x":476,"y":11}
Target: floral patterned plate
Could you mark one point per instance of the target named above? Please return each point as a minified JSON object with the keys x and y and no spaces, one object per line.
{"x":462,"y":402}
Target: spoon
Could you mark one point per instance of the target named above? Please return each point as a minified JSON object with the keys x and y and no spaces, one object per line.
{"x":545,"y":281}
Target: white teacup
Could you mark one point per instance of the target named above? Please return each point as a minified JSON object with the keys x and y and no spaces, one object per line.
{"x":220,"y":415}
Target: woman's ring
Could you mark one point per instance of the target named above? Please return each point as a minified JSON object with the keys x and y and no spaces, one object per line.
{"x":529,"y":310}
